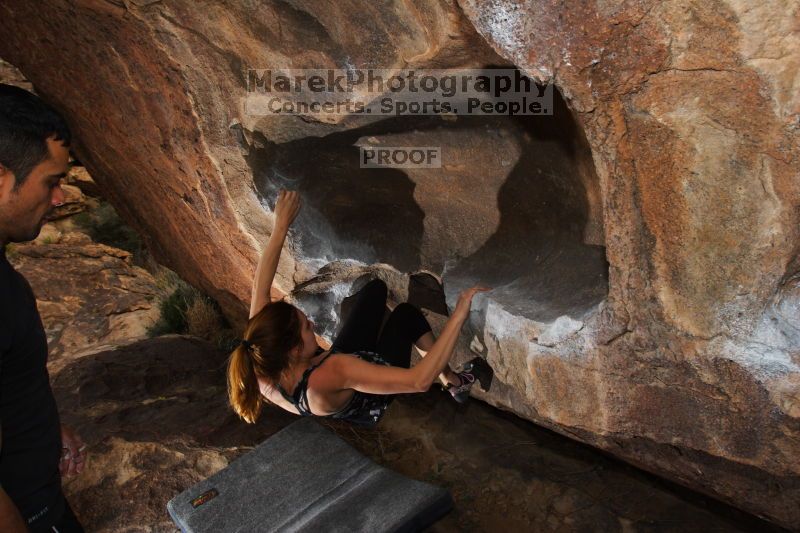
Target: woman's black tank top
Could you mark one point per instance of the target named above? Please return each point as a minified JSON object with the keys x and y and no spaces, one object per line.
{"x":363,"y":408}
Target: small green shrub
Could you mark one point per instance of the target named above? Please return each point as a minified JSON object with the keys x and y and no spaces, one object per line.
{"x":173,"y":311}
{"x":188,"y":311}
{"x":83,"y":220}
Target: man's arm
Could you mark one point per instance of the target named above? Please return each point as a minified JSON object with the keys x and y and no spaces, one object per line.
{"x":286,"y":209}
{"x":10,"y":519}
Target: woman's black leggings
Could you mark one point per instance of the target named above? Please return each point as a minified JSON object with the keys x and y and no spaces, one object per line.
{"x":405,"y":325}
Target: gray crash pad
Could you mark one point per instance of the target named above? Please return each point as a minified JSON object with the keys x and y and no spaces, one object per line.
{"x":305,"y":478}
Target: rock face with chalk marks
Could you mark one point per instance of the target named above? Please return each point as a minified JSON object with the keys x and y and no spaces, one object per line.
{"x":642,"y":242}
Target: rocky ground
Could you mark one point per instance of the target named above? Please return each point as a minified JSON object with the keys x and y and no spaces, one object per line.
{"x":155,"y":418}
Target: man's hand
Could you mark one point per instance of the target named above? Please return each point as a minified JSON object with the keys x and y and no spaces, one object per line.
{"x":286,"y":208}
{"x":72,"y":456}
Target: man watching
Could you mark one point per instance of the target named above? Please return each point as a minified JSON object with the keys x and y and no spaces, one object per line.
{"x":35,"y":450}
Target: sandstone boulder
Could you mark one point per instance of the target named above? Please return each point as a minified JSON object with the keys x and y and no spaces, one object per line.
{"x":90,"y":296}
{"x":642,"y":242}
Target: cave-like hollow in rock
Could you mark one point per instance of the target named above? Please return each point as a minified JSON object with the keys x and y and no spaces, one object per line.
{"x":516,"y":205}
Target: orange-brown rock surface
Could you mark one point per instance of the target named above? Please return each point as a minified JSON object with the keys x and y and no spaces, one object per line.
{"x":90,"y":295}
{"x":674,"y":158}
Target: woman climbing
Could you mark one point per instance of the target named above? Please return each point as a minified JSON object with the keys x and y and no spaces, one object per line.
{"x":279,"y":359}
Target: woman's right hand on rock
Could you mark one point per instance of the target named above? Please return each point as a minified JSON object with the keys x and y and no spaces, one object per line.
{"x":464,"y":303}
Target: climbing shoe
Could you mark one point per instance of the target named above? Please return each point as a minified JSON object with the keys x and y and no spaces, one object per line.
{"x":477,"y":369}
{"x":460,"y":393}
{"x":480,"y":368}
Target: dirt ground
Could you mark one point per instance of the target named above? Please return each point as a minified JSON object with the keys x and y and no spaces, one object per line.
{"x":155,"y":417}
{"x":507,"y":474}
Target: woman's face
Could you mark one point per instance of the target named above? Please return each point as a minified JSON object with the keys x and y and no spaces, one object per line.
{"x":307,"y":334}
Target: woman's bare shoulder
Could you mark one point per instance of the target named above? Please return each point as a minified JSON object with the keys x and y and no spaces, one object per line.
{"x":274,"y":396}
{"x":331,"y":365}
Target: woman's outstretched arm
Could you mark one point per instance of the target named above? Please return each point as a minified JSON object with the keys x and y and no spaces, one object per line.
{"x":286,"y":209}
{"x":353,"y":373}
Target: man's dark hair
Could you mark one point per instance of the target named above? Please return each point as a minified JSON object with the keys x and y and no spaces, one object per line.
{"x":26,"y":122}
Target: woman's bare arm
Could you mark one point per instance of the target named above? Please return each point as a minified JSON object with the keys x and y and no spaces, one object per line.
{"x":378,"y":379}
{"x":286,"y":209}
{"x":265,"y":272}
{"x":348,"y":372}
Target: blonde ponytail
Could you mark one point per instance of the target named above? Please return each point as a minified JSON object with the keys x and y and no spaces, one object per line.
{"x":243,"y":390}
{"x":269,"y":336}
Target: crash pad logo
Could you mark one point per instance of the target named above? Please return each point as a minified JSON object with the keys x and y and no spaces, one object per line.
{"x":205,"y":498}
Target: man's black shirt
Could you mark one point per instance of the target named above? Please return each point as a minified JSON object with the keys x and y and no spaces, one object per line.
{"x":31,"y":432}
